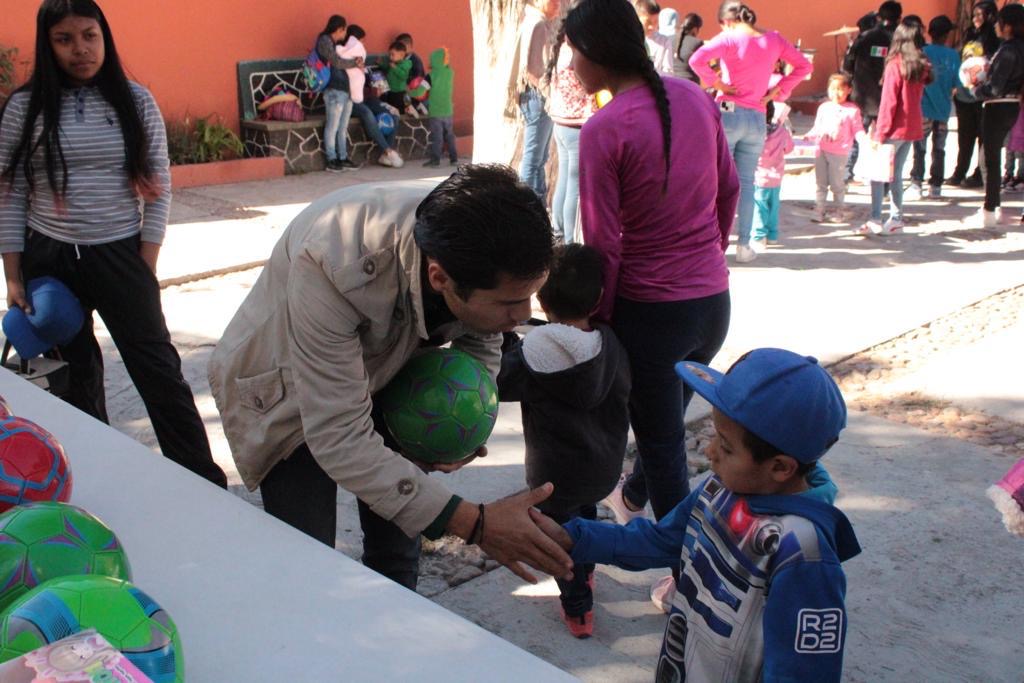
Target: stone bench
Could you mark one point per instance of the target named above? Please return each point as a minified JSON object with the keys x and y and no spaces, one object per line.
{"x":301,"y":143}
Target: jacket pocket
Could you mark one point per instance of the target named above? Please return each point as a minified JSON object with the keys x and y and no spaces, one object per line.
{"x":261,"y":392}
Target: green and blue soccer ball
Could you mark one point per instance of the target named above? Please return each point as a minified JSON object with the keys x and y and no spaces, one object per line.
{"x":441,"y":406}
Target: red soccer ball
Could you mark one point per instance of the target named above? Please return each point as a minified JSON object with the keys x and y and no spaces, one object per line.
{"x":33,"y":466}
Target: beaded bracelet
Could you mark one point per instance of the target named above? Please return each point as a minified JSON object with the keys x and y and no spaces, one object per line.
{"x":477,"y":534}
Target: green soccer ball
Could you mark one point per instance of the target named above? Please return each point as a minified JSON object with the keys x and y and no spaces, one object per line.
{"x":120,"y":612}
{"x":42,"y":541}
{"x":441,"y":406}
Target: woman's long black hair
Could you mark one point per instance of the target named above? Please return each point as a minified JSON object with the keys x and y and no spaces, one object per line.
{"x":45,"y":87}
{"x":609,"y":33}
{"x":908,"y":46}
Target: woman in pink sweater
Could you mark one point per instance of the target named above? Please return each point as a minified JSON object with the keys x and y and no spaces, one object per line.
{"x":658,"y":190}
{"x":747,"y":57}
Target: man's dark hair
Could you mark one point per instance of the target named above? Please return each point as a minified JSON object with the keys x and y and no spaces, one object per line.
{"x":482,"y":223}
{"x":889,"y":12}
{"x":398,"y":46}
{"x":574,"y":282}
{"x":867,"y":22}
{"x":1012,"y":17}
{"x":940,"y":27}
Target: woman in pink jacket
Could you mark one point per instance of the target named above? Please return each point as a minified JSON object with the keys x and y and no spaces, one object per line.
{"x":899,"y":123}
{"x":747,"y":57}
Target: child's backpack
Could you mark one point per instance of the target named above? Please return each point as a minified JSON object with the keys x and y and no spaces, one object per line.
{"x":316,"y":74}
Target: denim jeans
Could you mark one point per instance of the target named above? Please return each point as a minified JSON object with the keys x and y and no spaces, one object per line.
{"x":339,"y":111}
{"x":363,"y":112}
{"x":903,"y":148}
{"x":656,"y":336}
{"x":441,"y":131}
{"x":937,"y":130}
{"x":767,"y":201}
{"x":565,"y":203}
{"x":745,"y":129}
{"x":537,"y":127}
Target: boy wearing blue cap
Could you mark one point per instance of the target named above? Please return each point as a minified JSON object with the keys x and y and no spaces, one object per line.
{"x":760,"y":592}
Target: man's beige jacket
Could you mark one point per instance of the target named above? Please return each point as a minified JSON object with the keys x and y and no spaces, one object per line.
{"x":335,"y":314}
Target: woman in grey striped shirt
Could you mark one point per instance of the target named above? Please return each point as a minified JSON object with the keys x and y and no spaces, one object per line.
{"x":84,"y":197}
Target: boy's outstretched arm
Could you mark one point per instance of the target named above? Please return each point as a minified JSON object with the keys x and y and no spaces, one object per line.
{"x":805,"y":624}
{"x":640,"y":545}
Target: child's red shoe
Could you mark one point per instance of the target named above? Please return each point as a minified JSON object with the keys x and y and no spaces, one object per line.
{"x":581,"y":626}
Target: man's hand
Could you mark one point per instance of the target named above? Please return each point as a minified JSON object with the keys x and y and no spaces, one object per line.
{"x":511,"y":537}
{"x":449,"y":467}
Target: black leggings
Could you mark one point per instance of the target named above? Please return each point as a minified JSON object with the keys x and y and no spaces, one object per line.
{"x":113,"y":280}
{"x":968,"y":134}
{"x":657,"y":335}
{"x":996,"y":121}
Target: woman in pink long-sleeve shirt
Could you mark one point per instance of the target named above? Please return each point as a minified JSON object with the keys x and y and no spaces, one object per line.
{"x":657,"y":194}
{"x":747,"y":57}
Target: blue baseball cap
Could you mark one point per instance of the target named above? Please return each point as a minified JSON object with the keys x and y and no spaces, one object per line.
{"x":784,"y":398}
{"x":56,"y":318}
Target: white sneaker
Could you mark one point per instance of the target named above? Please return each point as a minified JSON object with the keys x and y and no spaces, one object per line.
{"x":663,"y":591}
{"x":892,"y":226}
{"x":869,"y":228}
{"x":912,"y":193}
{"x":987,"y":219}
{"x":744,"y":254}
{"x":391,"y":159}
{"x":773,"y":243}
{"x":759,"y":245}
{"x":615,"y":502}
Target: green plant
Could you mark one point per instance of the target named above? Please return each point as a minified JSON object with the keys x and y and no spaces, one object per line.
{"x":7,"y":55}
{"x":200,"y":141}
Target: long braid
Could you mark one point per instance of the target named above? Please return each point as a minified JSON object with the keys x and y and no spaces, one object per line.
{"x":556,"y":44}
{"x":657,"y":86}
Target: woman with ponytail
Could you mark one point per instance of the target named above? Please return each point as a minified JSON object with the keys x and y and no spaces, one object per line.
{"x":747,"y":57}
{"x":85,"y":191}
{"x":657,"y":194}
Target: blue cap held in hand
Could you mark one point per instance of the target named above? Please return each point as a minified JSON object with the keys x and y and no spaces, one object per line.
{"x":55,"y":319}
{"x":784,"y":398}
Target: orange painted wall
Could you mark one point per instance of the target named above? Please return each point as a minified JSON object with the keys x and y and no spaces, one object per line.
{"x":185,"y":51}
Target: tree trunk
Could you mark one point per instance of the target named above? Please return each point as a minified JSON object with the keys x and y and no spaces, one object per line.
{"x":496,"y":136}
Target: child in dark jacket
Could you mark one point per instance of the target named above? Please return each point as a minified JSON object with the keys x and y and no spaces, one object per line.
{"x":572,"y":379}
{"x":439,"y":107}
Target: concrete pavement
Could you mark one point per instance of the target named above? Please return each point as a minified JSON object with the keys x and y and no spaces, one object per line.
{"x":930,"y":598}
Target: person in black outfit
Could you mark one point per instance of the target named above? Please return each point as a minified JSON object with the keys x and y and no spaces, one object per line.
{"x":688,"y":44}
{"x":572,"y":380}
{"x":865,"y":62}
{"x":1000,"y":98}
{"x":981,"y":34}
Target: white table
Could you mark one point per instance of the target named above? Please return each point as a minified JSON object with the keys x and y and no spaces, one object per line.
{"x":253,"y":599}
